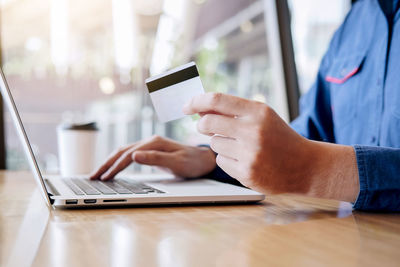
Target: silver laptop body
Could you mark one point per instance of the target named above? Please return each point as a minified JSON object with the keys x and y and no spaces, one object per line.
{"x":154,"y":189}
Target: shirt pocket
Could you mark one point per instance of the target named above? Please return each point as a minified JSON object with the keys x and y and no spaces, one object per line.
{"x":343,"y":78}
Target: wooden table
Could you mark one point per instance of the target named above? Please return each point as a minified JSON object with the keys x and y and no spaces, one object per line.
{"x":281,"y":231}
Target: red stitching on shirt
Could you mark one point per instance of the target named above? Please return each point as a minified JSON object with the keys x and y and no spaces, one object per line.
{"x":340,"y":81}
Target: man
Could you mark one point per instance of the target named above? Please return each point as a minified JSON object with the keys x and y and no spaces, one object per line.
{"x":345,"y":145}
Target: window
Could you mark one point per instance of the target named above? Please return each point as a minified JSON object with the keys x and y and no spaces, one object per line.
{"x":313,"y":24}
{"x":71,"y":60}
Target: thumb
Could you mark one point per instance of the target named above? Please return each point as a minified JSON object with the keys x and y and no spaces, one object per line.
{"x":154,"y":158}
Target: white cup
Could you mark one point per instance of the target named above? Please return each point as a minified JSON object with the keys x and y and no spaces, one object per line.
{"x":77,"y":148}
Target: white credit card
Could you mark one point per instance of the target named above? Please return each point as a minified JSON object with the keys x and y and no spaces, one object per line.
{"x":171,"y":90}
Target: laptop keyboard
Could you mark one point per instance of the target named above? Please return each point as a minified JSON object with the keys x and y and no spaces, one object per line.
{"x":113,"y":187}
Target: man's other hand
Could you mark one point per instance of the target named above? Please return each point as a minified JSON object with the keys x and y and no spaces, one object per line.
{"x":182,"y":160}
{"x":258,"y":148}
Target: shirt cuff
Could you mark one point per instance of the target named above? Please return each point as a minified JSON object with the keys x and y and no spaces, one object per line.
{"x":362,"y":176}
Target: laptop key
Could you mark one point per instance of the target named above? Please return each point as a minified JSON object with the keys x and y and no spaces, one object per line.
{"x":73,"y":187}
{"x":89,"y":190}
{"x":137,"y":188}
{"x":117,"y":187}
{"x":102,"y":187}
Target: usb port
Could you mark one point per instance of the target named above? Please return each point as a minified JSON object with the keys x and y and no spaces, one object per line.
{"x":71,"y":201}
{"x":89,"y":201}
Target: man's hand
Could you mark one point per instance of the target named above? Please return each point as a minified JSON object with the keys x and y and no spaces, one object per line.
{"x":182,"y":160}
{"x":258,"y":148}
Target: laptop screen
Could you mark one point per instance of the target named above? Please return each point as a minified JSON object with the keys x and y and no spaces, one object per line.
{"x":62,"y":136}
{"x":21,"y":133}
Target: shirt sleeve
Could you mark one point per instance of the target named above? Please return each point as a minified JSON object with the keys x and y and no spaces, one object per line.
{"x":219,"y":175}
{"x":378,"y":170}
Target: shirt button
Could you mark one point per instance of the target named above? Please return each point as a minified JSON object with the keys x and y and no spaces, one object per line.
{"x":373,"y":139}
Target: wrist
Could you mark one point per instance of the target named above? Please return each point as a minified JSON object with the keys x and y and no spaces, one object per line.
{"x":333,"y":172}
{"x":206,"y":158}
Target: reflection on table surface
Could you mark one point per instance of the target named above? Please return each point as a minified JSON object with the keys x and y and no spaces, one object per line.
{"x":281,"y":231}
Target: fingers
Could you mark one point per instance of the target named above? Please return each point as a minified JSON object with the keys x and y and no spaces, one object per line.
{"x":155,"y":158}
{"x":123,"y":158}
{"x":120,"y":164}
{"x":109,"y":162}
{"x":227,"y":147}
{"x":160,"y":143}
{"x":218,"y":103}
{"x":211,"y":124}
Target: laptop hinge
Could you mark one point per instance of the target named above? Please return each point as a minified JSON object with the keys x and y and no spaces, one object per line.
{"x":51,"y":200}
{"x":51,"y":191}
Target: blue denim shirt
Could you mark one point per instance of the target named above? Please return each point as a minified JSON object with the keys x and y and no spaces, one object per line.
{"x":356,"y":100}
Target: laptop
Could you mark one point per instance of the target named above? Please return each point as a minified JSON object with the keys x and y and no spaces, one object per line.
{"x":70,"y":192}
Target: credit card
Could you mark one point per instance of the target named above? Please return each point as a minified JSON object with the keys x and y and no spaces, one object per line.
{"x":171,"y":90}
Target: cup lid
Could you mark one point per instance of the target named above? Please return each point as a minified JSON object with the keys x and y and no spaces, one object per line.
{"x":90,"y":126}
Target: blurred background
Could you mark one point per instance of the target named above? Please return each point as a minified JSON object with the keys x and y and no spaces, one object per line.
{"x":73,"y":60}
